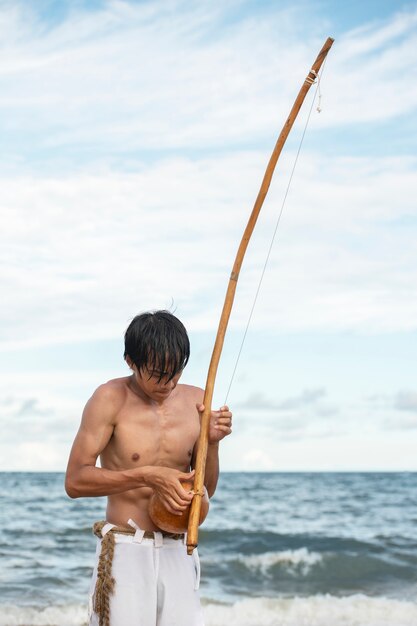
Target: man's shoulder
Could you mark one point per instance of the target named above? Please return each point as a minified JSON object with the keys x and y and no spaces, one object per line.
{"x":112,"y":391}
{"x":192,"y":392}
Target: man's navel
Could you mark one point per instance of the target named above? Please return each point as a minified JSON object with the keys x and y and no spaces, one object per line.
{"x":190,"y":453}
{"x":135,"y":456}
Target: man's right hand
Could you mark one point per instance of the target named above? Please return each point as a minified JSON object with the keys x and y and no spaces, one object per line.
{"x":167,"y":484}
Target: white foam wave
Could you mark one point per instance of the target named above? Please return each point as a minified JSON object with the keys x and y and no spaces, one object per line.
{"x":326,"y":610}
{"x":320,"y":610}
{"x":297,"y":559}
{"x":67,"y":615}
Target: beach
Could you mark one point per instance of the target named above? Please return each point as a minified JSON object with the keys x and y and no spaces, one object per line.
{"x":277,"y":549}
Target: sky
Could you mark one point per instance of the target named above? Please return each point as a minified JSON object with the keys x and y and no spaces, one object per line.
{"x":134,"y":140}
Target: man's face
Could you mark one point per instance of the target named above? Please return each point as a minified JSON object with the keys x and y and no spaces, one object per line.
{"x":155,"y":383}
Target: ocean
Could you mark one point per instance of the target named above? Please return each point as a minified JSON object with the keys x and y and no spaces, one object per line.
{"x":277,"y":549}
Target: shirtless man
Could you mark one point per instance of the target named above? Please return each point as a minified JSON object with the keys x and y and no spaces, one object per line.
{"x":145,"y":427}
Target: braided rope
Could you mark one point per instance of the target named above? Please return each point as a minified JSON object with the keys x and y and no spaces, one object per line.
{"x":105,"y":581}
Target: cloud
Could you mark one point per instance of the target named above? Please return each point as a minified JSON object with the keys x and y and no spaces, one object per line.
{"x":363,"y":83}
{"x":135,"y":136}
{"x":25,"y":421}
{"x":406,"y":401}
{"x":39,"y":439}
{"x":301,"y":417}
{"x":87,"y":79}
{"x":306,"y":398}
{"x":103,"y":218}
{"x":127,"y":77}
{"x":397,"y":412}
{"x":257,"y":400}
{"x":35,"y":439}
{"x":389,"y":410}
{"x":400,"y":422}
{"x":34,"y":456}
{"x":44,"y":416}
{"x":31,"y":407}
{"x":21,"y":407}
{"x":85,"y":253}
{"x":258,"y":460}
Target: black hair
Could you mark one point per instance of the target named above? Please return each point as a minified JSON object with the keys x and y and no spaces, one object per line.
{"x":158,"y":341}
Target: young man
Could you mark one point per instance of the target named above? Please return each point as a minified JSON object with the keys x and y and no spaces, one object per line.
{"x":144,"y":427}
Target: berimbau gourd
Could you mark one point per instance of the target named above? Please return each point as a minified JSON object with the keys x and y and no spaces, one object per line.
{"x":197,"y":512}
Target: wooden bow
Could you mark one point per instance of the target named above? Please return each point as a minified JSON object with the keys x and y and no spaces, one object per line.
{"x":192,"y":536}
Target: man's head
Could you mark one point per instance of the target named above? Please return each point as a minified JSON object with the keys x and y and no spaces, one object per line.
{"x":157,"y":343}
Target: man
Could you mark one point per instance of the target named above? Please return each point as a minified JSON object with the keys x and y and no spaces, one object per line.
{"x":145,"y":428}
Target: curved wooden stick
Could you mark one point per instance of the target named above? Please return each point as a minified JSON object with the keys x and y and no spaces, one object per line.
{"x":192,"y":537}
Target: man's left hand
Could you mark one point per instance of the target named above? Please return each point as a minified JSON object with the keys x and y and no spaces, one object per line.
{"x":220,"y":423}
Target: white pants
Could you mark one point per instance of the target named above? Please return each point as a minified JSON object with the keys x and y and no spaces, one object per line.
{"x":156,"y":582}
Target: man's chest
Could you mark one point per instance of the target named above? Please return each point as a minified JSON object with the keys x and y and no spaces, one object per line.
{"x":164,"y":436}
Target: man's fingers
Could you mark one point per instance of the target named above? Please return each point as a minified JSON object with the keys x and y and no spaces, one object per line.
{"x":223,"y":421}
{"x":173,"y":510}
{"x":225,"y":429}
{"x":175,"y":506}
{"x":171,"y":504}
{"x":181,"y":495}
{"x":186,"y":475}
{"x":182,"y":502}
{"x":225,"y":413}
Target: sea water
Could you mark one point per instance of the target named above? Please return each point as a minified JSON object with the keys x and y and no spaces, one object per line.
{"x":277,"y":549}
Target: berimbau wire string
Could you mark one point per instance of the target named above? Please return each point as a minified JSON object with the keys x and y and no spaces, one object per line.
{"x":319,"y":109}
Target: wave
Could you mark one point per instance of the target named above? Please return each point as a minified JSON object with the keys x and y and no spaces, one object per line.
{"x":322,"y":610}
{"x":64,"y":615}
{"x":300,"y":559}
{"x":319,"y":610}
{"x":307,"y":571}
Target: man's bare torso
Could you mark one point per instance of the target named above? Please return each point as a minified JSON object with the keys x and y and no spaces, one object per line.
{"x":146,"y":433}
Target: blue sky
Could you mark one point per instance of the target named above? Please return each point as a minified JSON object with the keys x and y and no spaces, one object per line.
{"x":134,"y":139}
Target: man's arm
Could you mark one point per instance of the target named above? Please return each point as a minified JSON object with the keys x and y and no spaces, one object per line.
{"x":211,"y":475}
{"x":220,"y":427}
{"x":83,"y":478}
